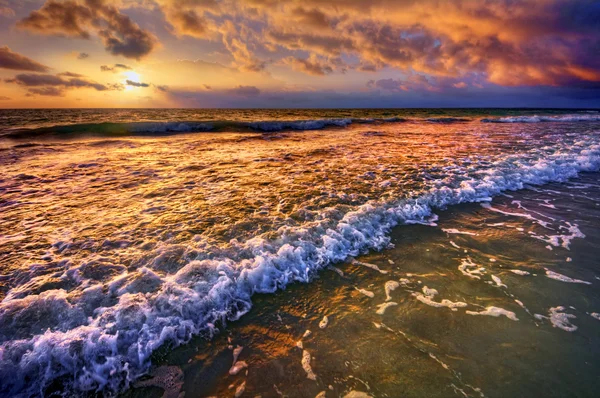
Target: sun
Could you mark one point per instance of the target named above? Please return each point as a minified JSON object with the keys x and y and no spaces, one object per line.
{"x":132,"y":76}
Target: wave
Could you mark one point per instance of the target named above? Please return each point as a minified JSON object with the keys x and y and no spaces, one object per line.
{"x":109,"y":129}
{"x":175,"y":127}
{"x":141,"y":311}
{"x":447,"y":120}
{"x":591,"y":117}
{"x":298,"y":124}
{"x":267,"y":126}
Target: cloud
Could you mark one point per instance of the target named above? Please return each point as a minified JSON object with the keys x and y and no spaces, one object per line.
{"x":311,"y":65}
{"x":503,"y":42}
{"x":70,"y":74}
{"x":239,"y":41}
{"x":83,"y":55}
{"x":162,"y":88}
{"x":187,"y":22}
{"x":136,"y":84}
{"x":6,"y":12}
{"x":115,"y":68}
{"x":14,"y":61}
{"x":417,"y":82}
{"x":387,"y":84}
{"x":245,"y":91}
{"x":46,"y":91}
{"x":4,"y":98}
{"x":56,"y":85}
{"x":79,"y":19}
{"x":453,"y":44}
{"x":186,"y":16}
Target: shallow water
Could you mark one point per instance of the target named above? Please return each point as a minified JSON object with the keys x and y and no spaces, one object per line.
{"x":115,"y":249}
{"x":415,"y":349}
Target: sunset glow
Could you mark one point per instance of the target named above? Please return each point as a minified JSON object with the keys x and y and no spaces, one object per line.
{"x":260,"y":53}
{"x":299,"y":198}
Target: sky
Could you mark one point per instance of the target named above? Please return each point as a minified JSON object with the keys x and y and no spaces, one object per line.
{"x":299,"y":53}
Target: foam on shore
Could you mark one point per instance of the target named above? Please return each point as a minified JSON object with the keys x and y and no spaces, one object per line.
{"x":138,"y":312}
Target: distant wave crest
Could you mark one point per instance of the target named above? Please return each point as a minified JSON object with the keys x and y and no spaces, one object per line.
{"x":175,"y":127}
{"x":589,"y":117}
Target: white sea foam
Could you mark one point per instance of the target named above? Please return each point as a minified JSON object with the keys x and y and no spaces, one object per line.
{"x":469,"y":268}
{"x":519,"y":272}
{"x":367,"y":293}
{"x":107,"y":349}
{"x":498,"y":281}
{"x":456,"y":231}
{"x":236,"y":353}
{"x":559,"y":319}
{"x":428,"y":296}
{"x":369,"y":265}
{"x":495,"y":312}
{"x":382,"y":307}
{"x":306,"y":366}
{"x":545,"y":118}
{"x":563,"y":278}
{"x":238,"y":367}
{"x":561,"y":240}
{"x":324,"y":322}
{"x":390,"y":286}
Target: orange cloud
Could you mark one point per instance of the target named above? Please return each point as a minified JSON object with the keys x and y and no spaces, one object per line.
{"x":549,"y":42}
{"x":120,"y":35}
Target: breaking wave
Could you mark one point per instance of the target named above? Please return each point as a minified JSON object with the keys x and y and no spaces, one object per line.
{"x":267,"y":126}
{"x":590,"y":117}
{"x":299,"y":124}
{"x":175,"y":127}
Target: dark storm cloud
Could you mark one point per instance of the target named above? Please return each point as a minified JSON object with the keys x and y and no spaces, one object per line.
{"x":15,"y":61}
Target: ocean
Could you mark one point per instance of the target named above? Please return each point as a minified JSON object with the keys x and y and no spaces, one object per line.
{"x":300,"y":253}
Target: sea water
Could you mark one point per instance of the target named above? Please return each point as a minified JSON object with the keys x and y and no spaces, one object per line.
{"x":428,"y":252}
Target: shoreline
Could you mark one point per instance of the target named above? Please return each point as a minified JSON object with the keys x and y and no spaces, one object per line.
{"x":270,"y":332}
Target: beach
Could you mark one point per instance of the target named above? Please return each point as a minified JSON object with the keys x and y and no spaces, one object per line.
{"x":428,"y":252}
